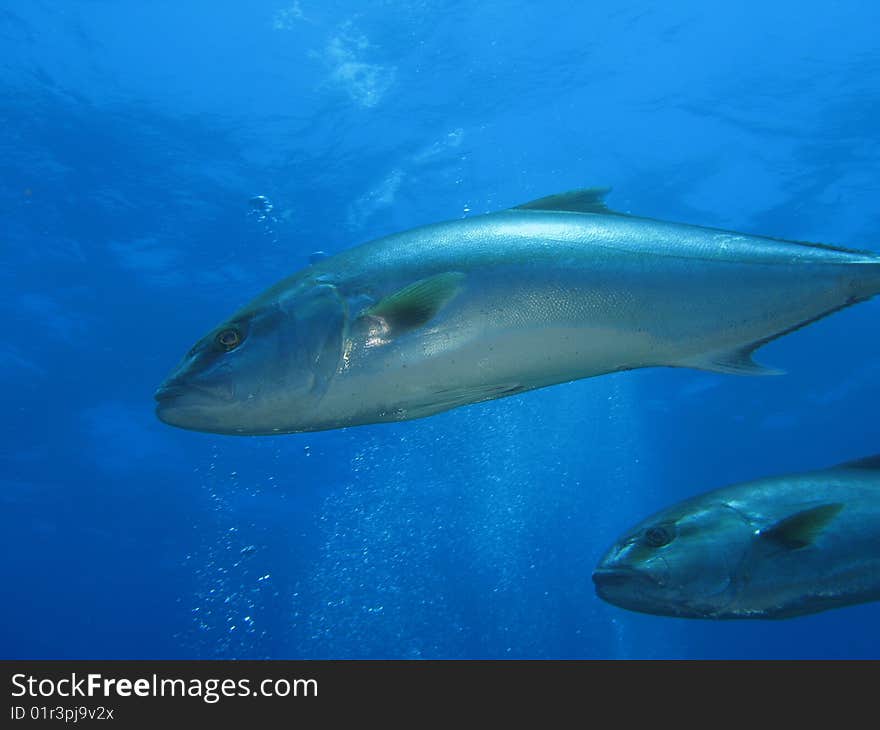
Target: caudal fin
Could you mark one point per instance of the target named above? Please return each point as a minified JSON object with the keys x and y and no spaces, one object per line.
{"x":866,"y":279}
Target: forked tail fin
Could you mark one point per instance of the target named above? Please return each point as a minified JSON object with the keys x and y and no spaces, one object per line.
{"x":866,"y":279}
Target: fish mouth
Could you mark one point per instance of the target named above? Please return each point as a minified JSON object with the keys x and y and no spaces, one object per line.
{"x":169,"y":391}
{"x":183,"y":407}
{"x":634,"y":590}
{"x":604,"y":577}
{"x":611,"y":578}
{"x":195,"y":406}
{"x":176,"y":390}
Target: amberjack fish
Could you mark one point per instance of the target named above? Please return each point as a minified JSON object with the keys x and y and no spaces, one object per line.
{"x":772,"y":548}
{"x":468,"y":310}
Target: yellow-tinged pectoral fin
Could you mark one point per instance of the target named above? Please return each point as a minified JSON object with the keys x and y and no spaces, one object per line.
{"x":417,"y":304}
{"x":802,"y":528}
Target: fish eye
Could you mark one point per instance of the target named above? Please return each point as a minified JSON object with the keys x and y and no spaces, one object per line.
{"x":657,"y":536}
{"x":228,"y":339}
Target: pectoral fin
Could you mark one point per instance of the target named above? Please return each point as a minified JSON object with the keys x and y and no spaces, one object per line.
{"x":418,"y":303}
{"x":802,"y":528}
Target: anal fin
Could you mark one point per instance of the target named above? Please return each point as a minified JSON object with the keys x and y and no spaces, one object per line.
{"x":731,"y":362}
{"x":444,"y":400}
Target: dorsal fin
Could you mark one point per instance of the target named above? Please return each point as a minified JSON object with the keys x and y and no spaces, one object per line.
{"x":871,"y":463}
{"x":592,"y":200}
{"x":586,"y":200}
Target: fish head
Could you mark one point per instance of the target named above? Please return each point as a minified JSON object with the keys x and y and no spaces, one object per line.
{"x":683,"y":561}
{"x":265,"y":369}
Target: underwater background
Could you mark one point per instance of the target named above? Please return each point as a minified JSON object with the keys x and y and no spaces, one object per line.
{"x":134,"y":138}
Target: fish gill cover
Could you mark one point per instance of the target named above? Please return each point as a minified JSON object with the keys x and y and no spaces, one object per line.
{"x":165,"y":162}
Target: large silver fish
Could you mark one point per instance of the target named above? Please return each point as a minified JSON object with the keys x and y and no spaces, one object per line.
{"x":772,"y":548}
{"x":464,"y":311}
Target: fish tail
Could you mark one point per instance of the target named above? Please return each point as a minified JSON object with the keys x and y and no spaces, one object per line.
{"x":865,"y":281}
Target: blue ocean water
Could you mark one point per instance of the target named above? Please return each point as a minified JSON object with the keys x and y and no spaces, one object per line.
{"x":133,"y":138}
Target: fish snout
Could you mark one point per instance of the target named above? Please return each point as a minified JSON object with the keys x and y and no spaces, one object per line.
{"x":612,"y":579}
{"x":171,"y":388}
{"x":191,"y":384}
{"x":631,"y":588}
{"x":605,"y":577}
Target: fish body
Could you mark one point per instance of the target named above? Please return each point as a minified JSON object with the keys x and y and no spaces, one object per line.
{"x":772,"y":548}
{"x":468,"y":310}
